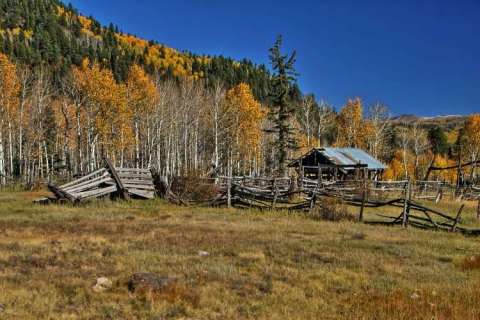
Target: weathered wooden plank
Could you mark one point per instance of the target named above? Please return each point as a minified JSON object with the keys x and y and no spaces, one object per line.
{"x":95,"y":193}
{"x":147,"y":182}
{"x":133,"y":170}
{"x":138,"y":186}
{"x":142,"y":193}
{"x":102,"y":176}
{"x":84,"y":178}
{"x":91,"y":185}
{"x":120,"y":189}
{"x":129,"y":175}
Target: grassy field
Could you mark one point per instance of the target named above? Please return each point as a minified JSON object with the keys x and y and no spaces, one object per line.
{"x":270,"y":265}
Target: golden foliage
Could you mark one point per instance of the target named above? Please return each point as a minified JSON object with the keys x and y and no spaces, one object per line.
{"x":350,"y":125}
{"x":9,"y":89}
{"x":400,"y":166}
{"x":472,"y":130}
{"x":245,"y":118}
{"x":445,"y":175}
{"x":164,"y":58}
{"x":141,"y":91}
{"x":106,"y":103}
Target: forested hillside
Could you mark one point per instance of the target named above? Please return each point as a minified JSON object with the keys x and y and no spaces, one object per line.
{"x":46,"y":32}
{"x":73,"y":91}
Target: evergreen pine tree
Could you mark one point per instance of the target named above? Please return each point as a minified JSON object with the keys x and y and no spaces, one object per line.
{"x":283,"y":80}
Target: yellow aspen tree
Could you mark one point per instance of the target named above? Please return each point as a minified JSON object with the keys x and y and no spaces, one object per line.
{"x":244,"y":124}
{"x":141,"y":97}
{"x":9,"y":102}
{"x":472,"y":135}
{"x":350,"y":121}
{"x":106,"y":108}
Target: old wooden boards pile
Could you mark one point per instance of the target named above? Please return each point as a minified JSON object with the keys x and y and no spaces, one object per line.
{"x":107,"y":181}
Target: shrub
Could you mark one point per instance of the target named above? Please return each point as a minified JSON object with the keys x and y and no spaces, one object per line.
{"x":194,"y":189}
{"x":471,"y":262}
{"x":331,"y":209}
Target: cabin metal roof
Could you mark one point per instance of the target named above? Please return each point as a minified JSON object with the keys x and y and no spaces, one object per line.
{"x":351,"y":156}
{"x":346,"y":157}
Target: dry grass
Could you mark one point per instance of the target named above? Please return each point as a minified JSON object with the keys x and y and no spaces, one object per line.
{"x":260,"y":265}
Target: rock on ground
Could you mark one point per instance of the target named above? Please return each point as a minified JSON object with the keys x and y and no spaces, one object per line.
{"x":102,"y":285}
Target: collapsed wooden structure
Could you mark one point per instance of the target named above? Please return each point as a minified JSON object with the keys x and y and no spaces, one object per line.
{"x":107,"y":181}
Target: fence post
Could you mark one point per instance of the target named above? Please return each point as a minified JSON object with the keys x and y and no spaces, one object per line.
{"x":457,"y":218}
{"x":406,"y":205}
{"x":478,"y":208}
{"x":313,"y":201}
{"x":364,"y":196}
{"x":274,"y":189}
{"x":320,"y":178}
{"x":301,"y":176}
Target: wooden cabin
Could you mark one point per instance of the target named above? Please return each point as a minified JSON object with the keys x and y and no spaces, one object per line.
{"x":338,"y":164}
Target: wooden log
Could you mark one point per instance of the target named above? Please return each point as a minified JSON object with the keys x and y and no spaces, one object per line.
{"x":84,"y":178}
{"x":120,"y":189}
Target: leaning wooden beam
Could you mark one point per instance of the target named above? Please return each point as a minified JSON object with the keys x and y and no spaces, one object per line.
{"x":121,"y":191}
{"x":61,"y":194}
{"x":418,"y":207}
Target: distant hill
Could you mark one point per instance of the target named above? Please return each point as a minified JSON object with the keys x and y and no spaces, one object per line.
{"x":446,"y":122}
{"x":49,"y":33}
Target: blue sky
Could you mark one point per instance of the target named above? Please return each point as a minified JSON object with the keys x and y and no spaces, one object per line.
{"x":420,"y":57}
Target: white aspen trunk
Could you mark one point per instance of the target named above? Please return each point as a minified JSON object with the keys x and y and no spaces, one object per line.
{"x":137,"y":147}
{"x":40,"y":161}
{"x":216,"y":155}
{"x":2,"y":160}
{"x":47,"y":166}
{"x":195,"y":151}
{"x":10,"y":147}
